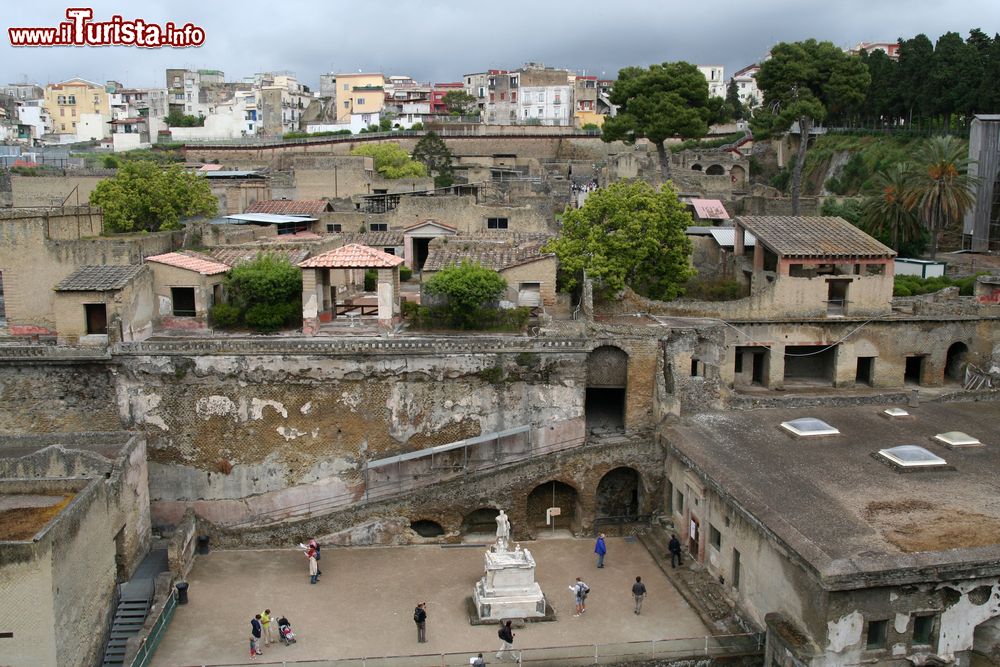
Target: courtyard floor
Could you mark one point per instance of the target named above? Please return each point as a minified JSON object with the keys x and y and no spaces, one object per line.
{"x":363,"y":605}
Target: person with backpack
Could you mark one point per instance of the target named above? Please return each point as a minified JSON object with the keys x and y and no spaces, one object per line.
{"x":639,"y":593}
{"x":506,"y":636}
{"x":420,"y":618}
{"x":256,"y":630}
{"x":580,"y":591}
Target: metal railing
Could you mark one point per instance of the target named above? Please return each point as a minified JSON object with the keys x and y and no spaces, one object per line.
{"x":571,"y":656}
{"x":149,"y":644}
{"x":471,"y":131}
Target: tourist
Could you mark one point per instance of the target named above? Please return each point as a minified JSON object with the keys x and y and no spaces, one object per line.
{"x":580,"y":592}
{"x":600,"y":548}
{"x":313,"y":567}
{"x":639,"y":593}
{"x":315,"y":545}
{"x":255,"y":634}
{"x":675,"y":551}
{"x":420,"y":618}
{"x":477,"y":661}
{"x":265,"y":620}
{"x":506,"y":636}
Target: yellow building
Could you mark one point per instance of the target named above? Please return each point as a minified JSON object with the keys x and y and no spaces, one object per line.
{"x":68,"y":100}
{"x":359,"y":94}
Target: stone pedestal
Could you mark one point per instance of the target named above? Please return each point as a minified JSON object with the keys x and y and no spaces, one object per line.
{"x":508,"y":589}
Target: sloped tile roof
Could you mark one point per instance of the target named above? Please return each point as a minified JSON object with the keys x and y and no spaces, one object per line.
{"x":290,"y":206}
{"x":813,"y":236}
{"x":235,"y":255}
{"x":191,"y":261}
{"x":352,"y":256}
{"x":376,"y":239}
{"x":99,"y":278}
{"x":710,"y":209}
{"x":493,"y":254}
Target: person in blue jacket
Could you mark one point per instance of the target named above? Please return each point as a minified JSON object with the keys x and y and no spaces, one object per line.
{"x":600,"y":548}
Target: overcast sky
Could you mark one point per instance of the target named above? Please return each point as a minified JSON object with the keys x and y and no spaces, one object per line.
{"x":439,"y":41}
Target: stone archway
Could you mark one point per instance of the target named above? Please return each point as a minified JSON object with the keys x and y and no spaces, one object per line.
{"x":696,"y":167}
{"x":956,"y":361}
{"x":482,"y":520}
{"x":553,"y":493}
{"x":427,"y":528}
{"x":716,"y":170}
{"x":739,"y":177}
{"x":619,"y":494}
{"x":607,"y":386}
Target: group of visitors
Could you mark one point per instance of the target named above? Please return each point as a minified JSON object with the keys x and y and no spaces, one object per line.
{"x":260,"y":630}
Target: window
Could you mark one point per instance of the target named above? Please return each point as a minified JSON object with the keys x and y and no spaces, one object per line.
{"x":345,"y":87}
{"x":513,"y":96}
{"x":183,"y":298}
{"x":679,"y":505}
{"x":541,"y":112}
{"x":62,"y":126}
{"x":347,"y":104}
{"x":496,"y":223}
{"x":697,"y":368}
{"x":361,"y":100}
{"x":60,"y":99}
{"x":875,"y":639}
{"x":97,"y":318}
{"x":62,"y":112}
{"x":714,"y":537}
{"x":74,"y":111}
{"x":389,"y":251}
{"x":923,"y":629}
{"x":333,"y":228}
{"x":72,"y":99}
{"x":378,"y":227}
{"x":736,"y":569}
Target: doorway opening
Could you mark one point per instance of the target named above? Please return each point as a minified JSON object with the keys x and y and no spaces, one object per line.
{"x":956,"y":361}
{"x":865,"y":373}
{"x":914,"y":370}
{"x":552,"y":494}
{"x":810,"y":365}
{"x":97,"y":318}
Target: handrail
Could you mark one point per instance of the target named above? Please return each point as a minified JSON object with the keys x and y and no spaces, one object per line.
{"x":150,"y":642}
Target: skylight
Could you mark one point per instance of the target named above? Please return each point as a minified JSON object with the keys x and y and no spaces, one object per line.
{"x":809,"y":426}
{"x":912,"y":456}
{"x":895,"y":412}
{"x":957,"y":439}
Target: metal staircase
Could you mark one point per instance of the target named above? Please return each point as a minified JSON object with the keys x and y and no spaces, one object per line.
{"x":133,"y":607}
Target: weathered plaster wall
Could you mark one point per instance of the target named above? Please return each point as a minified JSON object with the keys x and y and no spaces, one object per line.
{"x":50,"y":398}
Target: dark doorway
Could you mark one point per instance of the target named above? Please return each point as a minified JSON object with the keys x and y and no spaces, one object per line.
{"x":482,"y":520}
{"x":618,"y":494}
{"x":183,"y":299}
{"x":426,"y":528}
{"x":97,"y":318}
{"x":552,"y":494}
{"x":121,"y":569}
{"x":836,"y":297}
{"x":749,"y":366}
{"x":809,"y":365}
{"x":694,"y":536}
{"x":866,"y":371}
{"x":716,"y":170}
{"x":605,"y":409}
{"x":955,"y":362}
{"x":420,"y":250}
{"x":914,"y":370}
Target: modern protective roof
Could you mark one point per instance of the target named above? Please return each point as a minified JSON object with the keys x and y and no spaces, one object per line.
{"x":495,"y":254}
{"x":290,"y":206}
{"x":377,"y":239}
{"x":813,"y":236}
{"x":104,"y":278}
{"x":191,"y":261}
{"x":352,"y":256}
{"x":726,"y":237}
{"x":270,"y":218}
{"x":710,"y":209}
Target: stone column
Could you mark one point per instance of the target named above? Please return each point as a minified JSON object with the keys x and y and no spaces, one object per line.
{"x":388,"y":296}
{"x":310,"y":302}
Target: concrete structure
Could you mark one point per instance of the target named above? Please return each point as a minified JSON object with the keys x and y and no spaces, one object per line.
{"x":587,"y":109}
{"x":746,"y":86}
{"x":67,"y":101}
{"x":185,"y":286}
{"x":96,"y":305}
{"x":23,"y":91}
{"x":715,"y":75}
{"x":981,"y":231}
{"x":359,"y":94}
{"x":845,"y":557}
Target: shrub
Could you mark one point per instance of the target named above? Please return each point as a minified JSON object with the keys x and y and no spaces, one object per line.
{"x":405,"y":272}
{"x":714,"y":289}
{"x":224,"y":315}
{"x":268,"y":317}
{"x":110,"y":162}
{"x":371,"y":279}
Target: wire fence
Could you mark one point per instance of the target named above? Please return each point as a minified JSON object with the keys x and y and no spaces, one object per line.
{"x":689,"y":648}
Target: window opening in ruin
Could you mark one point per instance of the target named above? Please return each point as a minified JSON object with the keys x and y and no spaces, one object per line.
{"x":874,"y":269}
{"x":217,"y":294}
{"x":714,"y":537}
{"x":679,"y":505}
{"x":669,"y":495}
{"x":529,"y":295}
{"x":696,"y":167}
{"x":183,"y":301}
{"x":810,"y":365}
{"x":97,"y":318}
{"x":496,"y":223}
{"x":378,"y":227}
{"x":923,"y":629}
{"x":875,"y":639}
{"x":426,"y":528}
{"x":716,"y":170}
{"x":421,"y":248}
{"x":697,"y":368}
{"x":914,"y":370}
{"x":618,"y":494}
{"x":836,"y":297}
{"x":865,"y":371}
{"x":552,"y":493}
{"x":389,"y":251}
{"x":956,"y":362}
{"x":736,"y":569}
{"x":607,"y":379}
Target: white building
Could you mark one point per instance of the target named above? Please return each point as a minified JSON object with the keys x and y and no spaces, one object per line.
{"x":548,"y":105}
{"x":716,"y":77}
{"x":34,"y":119}
{"x":746,"y":86}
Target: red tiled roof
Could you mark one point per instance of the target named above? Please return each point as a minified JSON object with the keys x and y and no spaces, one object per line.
{"x":353,"y":256}
{"x":290,"y":206}
{"x":192,"y":262}
{"x":430,"y":222}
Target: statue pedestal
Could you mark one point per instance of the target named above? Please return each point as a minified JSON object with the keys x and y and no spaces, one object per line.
{"x":508,"y":589}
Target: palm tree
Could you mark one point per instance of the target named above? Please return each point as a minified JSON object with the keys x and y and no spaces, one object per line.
{"x":884,"y":212}
{"x":941,"y":187}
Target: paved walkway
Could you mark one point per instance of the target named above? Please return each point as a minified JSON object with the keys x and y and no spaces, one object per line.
{"x":363,"y":605}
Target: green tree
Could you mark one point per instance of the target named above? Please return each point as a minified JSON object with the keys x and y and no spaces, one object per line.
{"x":142,"y":196}
{"x":177,"y":119}
{"x":468,"y":288}
{"x":952,"y":82}
{"x":940,"y":189}
{"x":881,"y":103}
{"x":433,"y":153}
{"x":459,"y":103}
{"x":391,"y":161}
{"x":627,"y":234}
{"x":885,"y":213}
{"x":267,"y":291}
{"x":733,"y":99}
{"x":659,"y":103}
{"x":915,"y":56}
{"x":802,"y":83}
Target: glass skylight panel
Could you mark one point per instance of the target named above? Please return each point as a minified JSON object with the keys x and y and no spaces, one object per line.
{"x":809,"y":426}
{"x":957,"y":439}
{"x":895,"y":412}
{"x":912,"y":456}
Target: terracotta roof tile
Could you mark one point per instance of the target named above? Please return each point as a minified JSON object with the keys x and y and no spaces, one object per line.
{"x":813,"y":236}
{"x":352,"y":256}
{"x":235,"y":255}
{"x":376,"y":239}
{"x":495,"y":254}
{"x":191,"y":261}
{"x":99,"y":278}
{"x":290,"y":206}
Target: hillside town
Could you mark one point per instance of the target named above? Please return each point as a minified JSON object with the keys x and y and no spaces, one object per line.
{"x":716,"y":351}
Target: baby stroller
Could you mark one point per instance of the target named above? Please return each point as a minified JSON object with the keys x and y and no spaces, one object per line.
{"x":285,"y":633}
